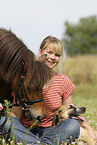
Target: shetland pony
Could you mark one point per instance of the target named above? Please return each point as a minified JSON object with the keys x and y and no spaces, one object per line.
{"x":21,"y":73}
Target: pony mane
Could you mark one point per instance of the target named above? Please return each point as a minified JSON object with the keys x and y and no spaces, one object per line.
{"x":15,"y":58}
{"x":13,"y":55}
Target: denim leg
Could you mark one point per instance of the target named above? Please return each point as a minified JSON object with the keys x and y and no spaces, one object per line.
{"x":20,"y":131}
{"x":66,"y":129}
{"x":53,"y":135}
{"x":4,"y":125}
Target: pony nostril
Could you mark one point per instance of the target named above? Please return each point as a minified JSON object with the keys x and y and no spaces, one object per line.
{"x":39,"y":118}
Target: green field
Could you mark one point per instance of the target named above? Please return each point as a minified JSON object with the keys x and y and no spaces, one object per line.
{"x":91,"y":109}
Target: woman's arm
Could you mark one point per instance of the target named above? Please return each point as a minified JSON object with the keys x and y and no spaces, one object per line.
{"x":16,"y":111}
{"x":69,"y":100}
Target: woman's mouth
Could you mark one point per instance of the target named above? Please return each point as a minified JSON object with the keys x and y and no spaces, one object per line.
{"x":50,"y":63}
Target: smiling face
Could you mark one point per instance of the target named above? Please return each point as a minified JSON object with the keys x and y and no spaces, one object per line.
{"x":51,"y":59}
{"x":51,"y":48}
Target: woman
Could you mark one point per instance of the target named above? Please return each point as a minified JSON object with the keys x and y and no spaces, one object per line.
{"x":55,"y":93}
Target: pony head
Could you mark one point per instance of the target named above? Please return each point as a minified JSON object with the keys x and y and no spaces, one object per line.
{"x":17,"y":60}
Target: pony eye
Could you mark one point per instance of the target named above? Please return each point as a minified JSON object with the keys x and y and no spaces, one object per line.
{"x":29,"y":89}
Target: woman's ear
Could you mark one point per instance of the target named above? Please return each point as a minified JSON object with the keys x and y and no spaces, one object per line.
{"x":39,"y":53}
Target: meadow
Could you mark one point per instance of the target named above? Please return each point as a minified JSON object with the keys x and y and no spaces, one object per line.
{"x":82,"y":70}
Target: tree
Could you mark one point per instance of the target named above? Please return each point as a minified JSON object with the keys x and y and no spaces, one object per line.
{"x":81,"y":38}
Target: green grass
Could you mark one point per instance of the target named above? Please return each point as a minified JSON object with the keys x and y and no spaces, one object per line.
{"x":86,"y":99}
{"x":86,"y":91}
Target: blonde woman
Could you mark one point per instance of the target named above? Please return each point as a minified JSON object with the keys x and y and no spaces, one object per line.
{"x":58,"y":92}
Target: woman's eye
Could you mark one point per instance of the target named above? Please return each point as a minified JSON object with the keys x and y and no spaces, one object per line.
{"x":49,"y":52}
{"x":57,"y":55}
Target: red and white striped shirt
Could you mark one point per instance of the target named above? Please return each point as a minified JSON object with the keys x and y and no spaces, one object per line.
{"x":60,"y":90}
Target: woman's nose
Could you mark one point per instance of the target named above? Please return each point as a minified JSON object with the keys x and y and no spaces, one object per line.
{"x":53,"y":56}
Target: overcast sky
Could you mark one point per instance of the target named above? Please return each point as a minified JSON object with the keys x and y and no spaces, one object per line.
{"x":33,"y":20}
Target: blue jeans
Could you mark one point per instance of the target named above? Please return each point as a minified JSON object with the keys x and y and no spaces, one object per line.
{"x":52,"y":135}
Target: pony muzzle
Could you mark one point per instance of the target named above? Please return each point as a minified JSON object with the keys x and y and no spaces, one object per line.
{"x":37,"y":110}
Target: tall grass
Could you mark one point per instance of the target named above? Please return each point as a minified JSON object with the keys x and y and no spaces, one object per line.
{"x":81,"y":69}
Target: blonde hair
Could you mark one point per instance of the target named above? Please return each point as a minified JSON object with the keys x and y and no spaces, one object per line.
{"x":53,"y":44}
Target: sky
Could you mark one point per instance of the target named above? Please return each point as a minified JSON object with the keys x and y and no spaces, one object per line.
{"x":33,"y":20}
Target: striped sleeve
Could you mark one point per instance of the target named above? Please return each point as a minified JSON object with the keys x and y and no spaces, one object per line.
{"x":67,"y":88}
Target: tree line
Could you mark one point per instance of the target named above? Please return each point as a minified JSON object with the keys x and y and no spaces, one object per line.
{"x":80,"y":38}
